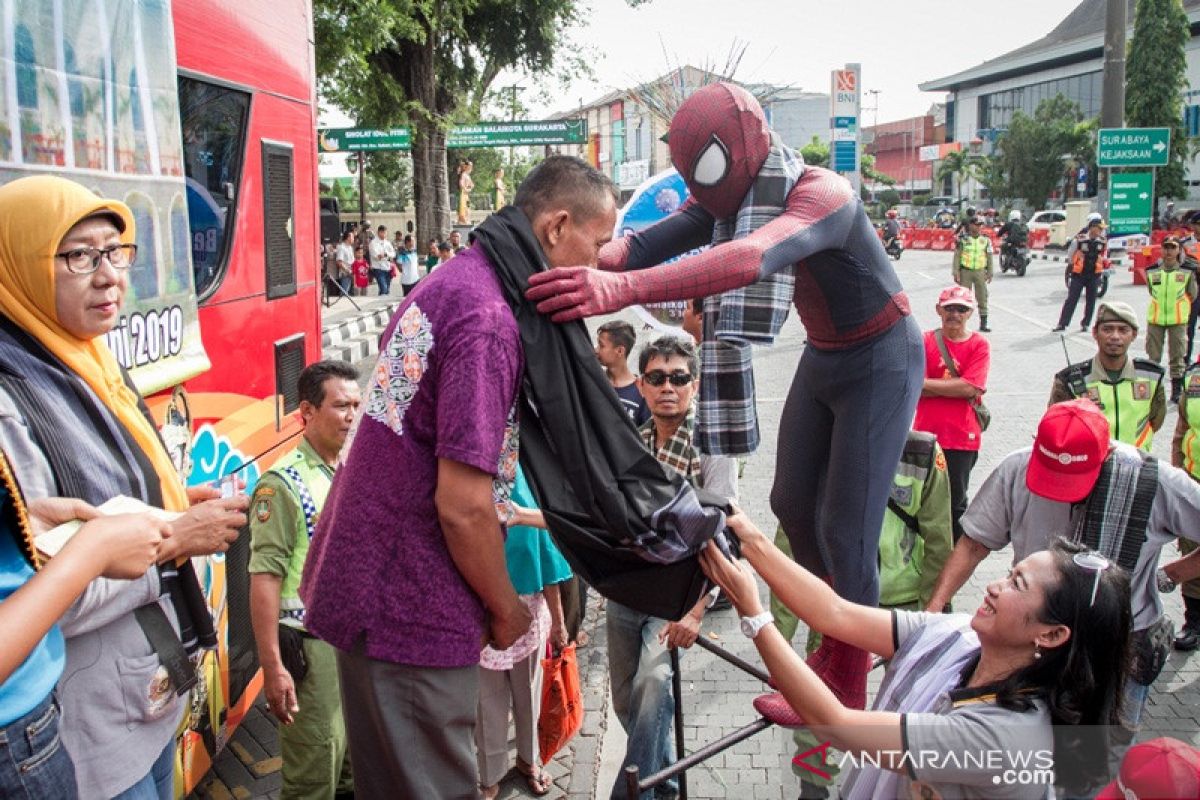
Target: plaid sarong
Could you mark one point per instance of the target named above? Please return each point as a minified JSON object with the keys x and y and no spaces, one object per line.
{"x":739,"y":318}
{"x":1116,"y":513}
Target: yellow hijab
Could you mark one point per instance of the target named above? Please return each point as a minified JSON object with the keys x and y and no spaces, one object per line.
{"x":35,"y":215}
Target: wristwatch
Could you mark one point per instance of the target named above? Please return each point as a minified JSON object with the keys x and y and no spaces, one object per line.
{"x":752,"y":625}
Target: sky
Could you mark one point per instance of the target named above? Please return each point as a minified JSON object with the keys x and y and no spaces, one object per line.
{"x":798,"y":42}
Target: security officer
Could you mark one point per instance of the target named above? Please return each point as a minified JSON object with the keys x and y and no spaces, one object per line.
{"x":917,"y":533}
{"x":299,"y":670}
{"x":1085,"y":257}
{"x":972,"y":267}
{"x":1185,"y":454}
{"x":1128,"y":390}
{"x":1190,"y":245}
{"x":1172,"y":286}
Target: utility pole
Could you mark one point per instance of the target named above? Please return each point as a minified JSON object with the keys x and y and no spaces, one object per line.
{"x":512,"y":112}
{"x":1112,"y":104}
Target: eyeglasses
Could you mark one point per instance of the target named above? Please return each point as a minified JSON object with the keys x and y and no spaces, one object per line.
{"x":658,"y":378}
{"x":1095,"y":562}
{"x":957,"y":309}
{"x":1170,"y":246}
{"x":86,"y":260}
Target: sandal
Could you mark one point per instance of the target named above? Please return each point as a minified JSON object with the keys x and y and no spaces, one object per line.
{"x":536,"y":778}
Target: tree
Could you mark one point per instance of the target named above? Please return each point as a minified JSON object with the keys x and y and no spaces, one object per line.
{"x":389,"y":180}
{"x":989,"y":171}
{"x":1034,"y":149}
{"x":816,"y":154}
{"x":425,"y":64}
{"x":1155,"y":78}
{"x":955,"y":165}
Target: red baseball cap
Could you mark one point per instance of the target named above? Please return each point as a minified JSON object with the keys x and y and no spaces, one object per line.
{"x":956,"y":296}
{"x":1068,"y":451}
{"x":1158,"y":769}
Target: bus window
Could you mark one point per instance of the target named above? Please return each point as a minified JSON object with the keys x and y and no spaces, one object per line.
{"x":214,"y":121}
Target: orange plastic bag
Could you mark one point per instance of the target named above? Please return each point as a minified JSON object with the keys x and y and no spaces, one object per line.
{"x":562,"y":703}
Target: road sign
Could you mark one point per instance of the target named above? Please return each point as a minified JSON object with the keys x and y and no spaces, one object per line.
{"x":335,"y":140}
{"x":1130,"y":202}
{"x":845,"y":105}
{"x":1133,"y":147}
{"x":485,"y":134}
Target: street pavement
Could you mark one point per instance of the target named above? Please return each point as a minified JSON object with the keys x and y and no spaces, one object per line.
{"x":717,"y":697}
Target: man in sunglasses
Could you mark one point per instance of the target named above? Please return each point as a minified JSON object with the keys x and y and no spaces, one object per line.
{"x":641,"y":673}
{"x":1077,"y":483}
{"x":1172,"y":287}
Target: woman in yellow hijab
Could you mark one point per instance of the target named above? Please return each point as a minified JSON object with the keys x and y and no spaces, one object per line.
{"x":74,"y":426}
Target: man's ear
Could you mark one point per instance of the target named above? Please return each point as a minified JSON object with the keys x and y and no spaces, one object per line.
{"x":552,"y":227}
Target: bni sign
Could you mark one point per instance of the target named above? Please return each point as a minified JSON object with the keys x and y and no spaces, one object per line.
{"x":845,"y":96}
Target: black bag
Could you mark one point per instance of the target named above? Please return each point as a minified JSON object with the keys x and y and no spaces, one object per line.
{"x":291,"y":652}
{"x":1151,"y":647}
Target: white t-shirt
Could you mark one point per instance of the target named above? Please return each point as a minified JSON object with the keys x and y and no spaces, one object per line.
{"x":409,"y":273}
{"x":1004,"y":511}
{"x":382,"y":254}
{"x":345,"y":258}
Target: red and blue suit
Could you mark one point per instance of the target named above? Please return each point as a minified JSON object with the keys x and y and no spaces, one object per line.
{"x":848,"y":412}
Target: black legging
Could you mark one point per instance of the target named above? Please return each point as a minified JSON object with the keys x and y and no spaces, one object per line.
{"x":1079,"y":283}
{"x":841,"y":434}
{"x":959,"y":464}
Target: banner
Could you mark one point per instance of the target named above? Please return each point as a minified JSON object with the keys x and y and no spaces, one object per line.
{"x":94,"y":99}
{"x":656,"y":199}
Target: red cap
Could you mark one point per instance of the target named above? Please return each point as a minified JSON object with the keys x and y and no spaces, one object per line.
{"x":1159,"y":768}
{"x":956,"y":296}
{"x":1068,"y":451}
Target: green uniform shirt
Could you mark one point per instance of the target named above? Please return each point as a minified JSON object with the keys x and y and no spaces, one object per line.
{"x":278,"y":533}
{"x":1135,"y":405}
{"x":911,"y":560}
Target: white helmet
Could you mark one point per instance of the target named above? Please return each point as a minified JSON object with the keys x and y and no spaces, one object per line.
{"x":1014,"y":215}
{"x":1095,"y":215}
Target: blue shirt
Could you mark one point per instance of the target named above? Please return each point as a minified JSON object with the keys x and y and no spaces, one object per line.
{"x":35,"y":678}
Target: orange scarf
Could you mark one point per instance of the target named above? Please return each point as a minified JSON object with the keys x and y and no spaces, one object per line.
{"x":35,"y":214}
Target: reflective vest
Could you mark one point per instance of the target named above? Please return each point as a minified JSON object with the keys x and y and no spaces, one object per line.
{"x":1126,"y":403}
{"x":974,"y":252}
{"x":308,"y":484}
{"x":1079,"y":259}
{"x":902,"y":549}
{"x":1191,"y":437}
{"x":1169,"y":301}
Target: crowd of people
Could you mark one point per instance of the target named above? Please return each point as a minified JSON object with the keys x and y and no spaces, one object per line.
{"x":398,"y":630}
{"x":365,"y":257}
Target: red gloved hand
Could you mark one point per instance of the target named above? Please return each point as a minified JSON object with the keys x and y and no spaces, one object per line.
{"x":569,"y":293}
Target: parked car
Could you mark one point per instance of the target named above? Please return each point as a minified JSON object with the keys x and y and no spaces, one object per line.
{"x":1042,"y":220}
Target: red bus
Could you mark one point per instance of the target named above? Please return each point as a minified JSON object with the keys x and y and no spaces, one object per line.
{"x":201,"y":115}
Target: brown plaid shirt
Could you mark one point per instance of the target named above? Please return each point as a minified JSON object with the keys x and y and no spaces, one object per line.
{"x":677,"y":452}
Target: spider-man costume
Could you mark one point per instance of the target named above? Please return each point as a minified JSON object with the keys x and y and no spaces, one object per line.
{"x":850,"y":406}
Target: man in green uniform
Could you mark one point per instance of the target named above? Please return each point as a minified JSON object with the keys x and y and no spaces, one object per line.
{"x":1172,"y":287}
{"x":300,"y":671}
{"x":1128,"y":390}
{"x":1185,"y":454}
{"x":972,"y":267}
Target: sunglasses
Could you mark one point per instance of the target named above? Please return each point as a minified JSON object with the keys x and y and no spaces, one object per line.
{"x":657,"y":378}
{"x":957,"y":309}
{"x":1170,"y":246}
{"x":1096,"y":563}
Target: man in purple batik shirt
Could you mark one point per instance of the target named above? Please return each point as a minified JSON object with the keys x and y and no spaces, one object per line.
{"x":409,"y":584}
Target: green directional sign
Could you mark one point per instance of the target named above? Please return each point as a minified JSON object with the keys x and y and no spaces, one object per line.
{"x":518,"y":133}
{"x":349,"y":140}
{"x":1130,"y":202}
{"x":1133,"y":147}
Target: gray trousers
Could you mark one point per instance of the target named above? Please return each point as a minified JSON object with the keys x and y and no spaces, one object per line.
{"x":1176,"y":338}
{"x":518,"y":689}
{"x":410,"y":729}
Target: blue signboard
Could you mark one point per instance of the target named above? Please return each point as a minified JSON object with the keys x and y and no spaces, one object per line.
{"x":843,"y":156}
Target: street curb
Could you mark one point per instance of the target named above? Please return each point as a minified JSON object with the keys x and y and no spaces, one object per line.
{"x":355,"y":326}
{"x":1061,"y":258}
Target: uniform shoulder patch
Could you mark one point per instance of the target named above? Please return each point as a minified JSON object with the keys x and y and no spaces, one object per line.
{"x":262,"y":507}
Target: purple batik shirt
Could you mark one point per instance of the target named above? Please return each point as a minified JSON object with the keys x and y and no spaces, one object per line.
{"x":445,"y":386}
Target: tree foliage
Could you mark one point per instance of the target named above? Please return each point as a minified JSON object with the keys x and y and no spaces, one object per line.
{"x":955,"y":165}
{"x":1155,"y":79}
{"x":816,"y":154}
{"x":1034,"y":151}
{"x":429,"y":63}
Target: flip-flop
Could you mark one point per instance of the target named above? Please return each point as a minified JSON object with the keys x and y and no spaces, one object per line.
{"x":536,"y":778}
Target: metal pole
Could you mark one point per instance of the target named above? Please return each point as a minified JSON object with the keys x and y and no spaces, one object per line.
{"x":677,"y":690}
{"x":1112,"y":104}
{"x":362,"y":190}
{"x":631,"y":782}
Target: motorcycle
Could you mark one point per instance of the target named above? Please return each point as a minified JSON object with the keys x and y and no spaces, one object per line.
{"x":1103,"y":287}
{"x":893,"y":246}
{"x":1014,"y":257}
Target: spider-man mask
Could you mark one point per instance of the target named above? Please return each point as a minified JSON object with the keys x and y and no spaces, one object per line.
{"x":719,"y":140}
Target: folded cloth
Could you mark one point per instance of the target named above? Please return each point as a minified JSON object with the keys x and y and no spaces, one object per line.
{"x":627,"y":527}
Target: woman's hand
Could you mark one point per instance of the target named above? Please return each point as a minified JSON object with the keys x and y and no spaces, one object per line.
{"x":734,"y":577}
{"x":558,"y":637}
{"x":46,"y":513}
{"x":206,"y":528}
{"x":746,"y":531}
{"x":127,"y":544}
